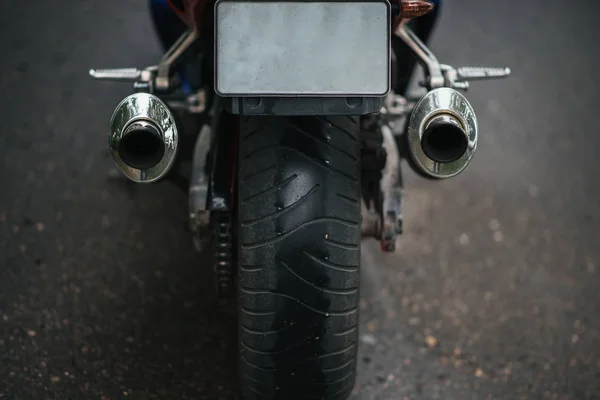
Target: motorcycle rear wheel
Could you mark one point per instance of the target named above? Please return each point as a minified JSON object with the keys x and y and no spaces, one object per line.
{"x":298,"y":256}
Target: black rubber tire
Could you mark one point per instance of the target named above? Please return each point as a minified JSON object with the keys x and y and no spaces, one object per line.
{"x":299,"y":255}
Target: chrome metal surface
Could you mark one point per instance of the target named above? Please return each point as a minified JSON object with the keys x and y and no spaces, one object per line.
{"x":116,"y":74}
{"x":177,"y":49}
{"x":395,"y":110}
{"x":155,"y":77}
{"x":452,"y":104}
{"x":302,"y":48}
{"x":459,"y":78}
{"x":162,"y":80}
{"x":193,"y":104}
{"x":391,"y":192}
{"x":138,"y":109}
{"x":435,"y":78}
{"x":442,"y":75}
{"x":198,"y":193}
{"x":396,"y":106}
{"x":381,"y":204}
{"x":123,"y":74}
{"x":479,"y":73}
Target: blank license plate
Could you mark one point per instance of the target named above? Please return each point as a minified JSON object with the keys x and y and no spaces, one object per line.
{"x":312,"y":49}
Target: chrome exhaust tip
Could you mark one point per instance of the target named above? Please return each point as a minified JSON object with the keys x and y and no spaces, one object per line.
{"x":143,"y":138}
{"x":442,"y":133}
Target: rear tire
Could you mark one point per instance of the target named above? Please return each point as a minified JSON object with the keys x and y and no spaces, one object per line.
{"x":299,"y":255}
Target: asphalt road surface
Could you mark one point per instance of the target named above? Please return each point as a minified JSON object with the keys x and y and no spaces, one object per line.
{"x":495,"y":291}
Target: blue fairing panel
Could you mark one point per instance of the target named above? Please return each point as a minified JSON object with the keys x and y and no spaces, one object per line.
{"x":169,"y":27}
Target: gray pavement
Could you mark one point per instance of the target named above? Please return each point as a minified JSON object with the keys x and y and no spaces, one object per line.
{"x":494,"y":293}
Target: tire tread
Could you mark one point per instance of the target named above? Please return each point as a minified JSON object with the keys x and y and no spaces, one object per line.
{"x":299,"y":256}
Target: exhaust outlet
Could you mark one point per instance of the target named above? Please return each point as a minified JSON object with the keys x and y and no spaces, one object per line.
{"x":442,"y":133}
{"x":143,"y":138}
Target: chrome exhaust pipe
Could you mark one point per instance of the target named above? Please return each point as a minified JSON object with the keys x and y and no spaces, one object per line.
{"x":442,"y":133}
{"x":143,"y":137}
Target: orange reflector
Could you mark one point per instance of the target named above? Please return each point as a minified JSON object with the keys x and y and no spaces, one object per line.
{"x":415,"y":8}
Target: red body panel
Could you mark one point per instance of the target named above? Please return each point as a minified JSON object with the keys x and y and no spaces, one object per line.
{"x":191,"y":12}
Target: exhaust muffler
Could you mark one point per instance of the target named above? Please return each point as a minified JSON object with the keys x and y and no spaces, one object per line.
{"x":143,"y":137}
{"x":442,"y":133}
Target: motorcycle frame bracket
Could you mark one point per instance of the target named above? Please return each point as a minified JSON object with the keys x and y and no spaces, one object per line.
{"x":441,"y":75}
{"x":381,"y":206}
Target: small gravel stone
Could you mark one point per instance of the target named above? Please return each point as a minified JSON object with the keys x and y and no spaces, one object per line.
{"x":498,"y":236}
{"x":431,"y":341}
{"x":372,"y":326}
{"x":494,"y":224}
{"x":464,"y":239}
{"x":368,"y":339}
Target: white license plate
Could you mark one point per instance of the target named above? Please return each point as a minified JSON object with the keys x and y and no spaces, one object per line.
{"x":308,"y":48}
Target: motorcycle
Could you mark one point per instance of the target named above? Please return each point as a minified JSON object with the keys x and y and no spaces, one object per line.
{"x":286,"y":122}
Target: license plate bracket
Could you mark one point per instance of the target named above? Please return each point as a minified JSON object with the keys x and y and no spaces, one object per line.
{"x":302,"y":48}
